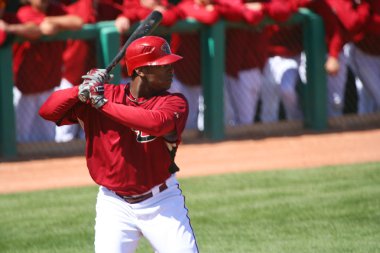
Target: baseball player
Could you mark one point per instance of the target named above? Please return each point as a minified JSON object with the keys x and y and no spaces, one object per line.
{"x":282,"y":73}
{"x":44,"y":58}
{"x":362,"y":20}
{"x":78,"y":56}
{"x":136,"y":10}
{"x":188,"y":72}
{"x":336,"y":62}
{"x":132,"y":133}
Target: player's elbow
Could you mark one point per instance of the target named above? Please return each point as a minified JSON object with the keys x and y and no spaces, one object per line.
{"x":45,"y":113}
{"x":161,"y":128}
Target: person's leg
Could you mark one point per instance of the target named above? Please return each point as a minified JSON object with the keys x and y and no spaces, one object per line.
{"x":368,"y":69}
{"x":288,"y":82}
{"x":270,"y":97}
{"x":246,"y":95}
{"x":336,"y":85}
{"x":115,"y":227}
{"x":165,"y":223}
{"x":25,"y":108}
{"x":230,"y":83}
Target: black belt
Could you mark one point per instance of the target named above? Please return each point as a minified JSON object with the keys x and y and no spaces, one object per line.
{"x":140,"y":198}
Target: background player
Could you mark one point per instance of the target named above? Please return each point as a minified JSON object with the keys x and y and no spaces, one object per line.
{"x":132,"y":134}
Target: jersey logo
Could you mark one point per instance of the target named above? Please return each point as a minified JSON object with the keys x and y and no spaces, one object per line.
{"x":143,"y":137}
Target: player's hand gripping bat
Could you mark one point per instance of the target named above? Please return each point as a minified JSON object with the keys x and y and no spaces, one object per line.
{"x":146,"y":27}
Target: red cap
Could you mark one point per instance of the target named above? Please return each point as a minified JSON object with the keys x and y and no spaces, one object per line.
{"x":149,"y":51}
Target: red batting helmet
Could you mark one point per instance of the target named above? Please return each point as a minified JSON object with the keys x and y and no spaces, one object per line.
{"x":149,"y":51}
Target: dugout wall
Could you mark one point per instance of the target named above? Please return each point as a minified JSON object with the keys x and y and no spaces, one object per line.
{"x":213,"y":65}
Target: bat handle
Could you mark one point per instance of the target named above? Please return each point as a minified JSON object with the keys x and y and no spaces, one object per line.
{"x":84,"y":95}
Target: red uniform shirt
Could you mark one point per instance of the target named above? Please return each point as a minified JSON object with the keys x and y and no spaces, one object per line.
{"x":335,"y":38}
{"x":286,"y":41}
{"x":79,"y":56}
{"x":247,"y":49}
{"x":10,"y":18}
{"x":368,"y":39}
{"x":136,"y":12}
{"x":108,"y":9}
{"x":38,"y":65}
{"x":188,"y":71}
{"x":125,"y":146}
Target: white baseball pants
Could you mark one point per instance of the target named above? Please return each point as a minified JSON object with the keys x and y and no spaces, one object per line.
{"x":162,"y":219}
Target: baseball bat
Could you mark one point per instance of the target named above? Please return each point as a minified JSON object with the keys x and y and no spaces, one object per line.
{"x":146,"y":27}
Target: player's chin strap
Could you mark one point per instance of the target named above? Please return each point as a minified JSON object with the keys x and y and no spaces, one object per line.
{"x":172,"y":147}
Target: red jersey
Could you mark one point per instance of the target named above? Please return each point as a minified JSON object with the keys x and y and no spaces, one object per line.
{"x":108,"y":9}
{"x":11,"y":19}
{"x":370,"y":38}
{"x":286,"y":41}
{"x":335,"y":38}
{"x":188,"y":71}
{"x":79,"y":55}
{"x":126,"y":140}
{"x":37,"y":65}
{"x":136,"y":12}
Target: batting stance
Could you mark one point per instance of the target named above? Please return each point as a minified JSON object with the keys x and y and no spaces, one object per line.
{"x":132,"y":134}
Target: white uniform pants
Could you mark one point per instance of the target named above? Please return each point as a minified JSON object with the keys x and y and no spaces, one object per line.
{"x":194,"y":97}
{"x":241,"y":96}
{"x":281,"y":78}
{"x":367,"y":68}
{"x":162,"y":219}
{"x":30,"y":127}
{"x":336,"y":85}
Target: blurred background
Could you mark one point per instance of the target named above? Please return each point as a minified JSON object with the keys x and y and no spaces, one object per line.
{"x":250,"y":68}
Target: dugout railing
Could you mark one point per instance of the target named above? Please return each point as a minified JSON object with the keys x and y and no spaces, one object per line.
{"x":213,"y":65}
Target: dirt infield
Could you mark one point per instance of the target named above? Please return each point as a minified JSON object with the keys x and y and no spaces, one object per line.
{"x":304,"y":151}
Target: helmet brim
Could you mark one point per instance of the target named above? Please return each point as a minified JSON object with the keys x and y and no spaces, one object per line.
{"x":165,"y":60}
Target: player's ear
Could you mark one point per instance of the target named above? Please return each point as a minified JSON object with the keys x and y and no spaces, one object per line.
{"x":140,"y":71}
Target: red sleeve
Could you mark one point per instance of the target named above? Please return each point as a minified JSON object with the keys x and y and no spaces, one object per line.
{"x":352,"y":17}
{"x":130,"y":10}
{"x":198,"y":12}
{"x":169,"y":117}
{"x":84,"y":9}
{"x":335,"y":44}
{"x":335,"y":38}
{"x":253,"y":17}
{"x":59,"y":107}
{"x":170,"y":16}
{"x":230,"y":10}
{"x":373,"y":26}
{"x":279,"y":10}
{"x":27,"y":14}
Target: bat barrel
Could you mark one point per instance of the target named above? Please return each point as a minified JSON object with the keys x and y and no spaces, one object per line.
{"x":146,"y":27}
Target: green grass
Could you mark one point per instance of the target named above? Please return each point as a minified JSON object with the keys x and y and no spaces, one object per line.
{"x":323,"y":210}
